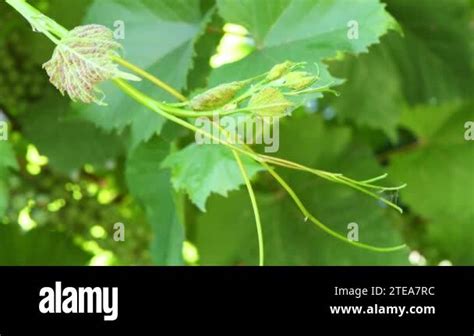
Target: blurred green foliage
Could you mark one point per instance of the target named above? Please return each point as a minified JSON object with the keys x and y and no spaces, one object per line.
{"x":69,"y":172}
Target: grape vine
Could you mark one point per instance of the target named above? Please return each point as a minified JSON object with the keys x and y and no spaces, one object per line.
{"x":275,"y":93}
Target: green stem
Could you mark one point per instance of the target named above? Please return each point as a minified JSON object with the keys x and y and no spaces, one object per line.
{"x":309,"y":216}
{"x":255,"y":209}
{"x":360,"y":186}
{"x":338,"y":178}
{"x":259,"y":158}
{"x":160,"y":108}
{"x":157,"y":107}
{"x":150,"y":77}
{"x":253,"y":199}
{"x":175,"y":110}
{"x":323,"y":227}
{"x":39,"y":21}
{"x":243,"y":171}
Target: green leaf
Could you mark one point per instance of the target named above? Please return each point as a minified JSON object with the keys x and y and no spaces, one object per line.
{"x":435,"y":62}
{"x":442,"y":184}
{"x":431,"y":63}
{"x":441,"y":187}
{"x":244,"y":13}
{"x":301,"y":30}
{"x":151,"y":185}
{"x":372,"y":94}
{"x":205,"y":47}
{"x":38,"y":247}
{"x":159,"y":37}
{"x":226,"y":233}
{"x":204,"y":169}
{"x":68,"y":142}
{"x":448,"y":238}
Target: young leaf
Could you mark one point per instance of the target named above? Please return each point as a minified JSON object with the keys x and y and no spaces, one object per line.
{"x":82,"y":60}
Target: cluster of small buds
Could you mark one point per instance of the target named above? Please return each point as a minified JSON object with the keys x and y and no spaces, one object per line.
{"x":267,"y":97}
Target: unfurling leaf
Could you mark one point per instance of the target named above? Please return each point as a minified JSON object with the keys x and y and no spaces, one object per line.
{"x":216,"y":97}
{"x":82,"y":60}
{"x":269,"y":102}
{"x":299,"y":80}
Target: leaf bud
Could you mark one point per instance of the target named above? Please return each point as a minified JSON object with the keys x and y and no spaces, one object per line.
{"x":216,"y":97}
